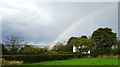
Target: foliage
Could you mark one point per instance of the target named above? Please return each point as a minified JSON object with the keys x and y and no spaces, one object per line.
{"x":84,"y":36}
{"x":59,"y":48}
{"x":100,"y":43}
{"x":116,"y":49}
{"x":13,"y":43}
{"x":51,"y":52}
{"x":42,"y":57}
{"x":83,"y":44}
{"x":13,"y":51}
{"x":30,"y":50}
{"x":4,"y":50}
{"x":105,"y":39}
{"x":70,"y":43}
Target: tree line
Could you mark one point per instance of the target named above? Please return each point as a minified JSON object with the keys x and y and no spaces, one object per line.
{"x":102,"y":42}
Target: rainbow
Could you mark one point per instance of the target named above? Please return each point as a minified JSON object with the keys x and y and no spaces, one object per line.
{"x":77,"y":22}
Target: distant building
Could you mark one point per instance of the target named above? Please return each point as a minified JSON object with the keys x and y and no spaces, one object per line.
{"x":75,"y":49}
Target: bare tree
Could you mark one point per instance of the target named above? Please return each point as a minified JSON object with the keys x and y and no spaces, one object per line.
{"x":14,"y":42}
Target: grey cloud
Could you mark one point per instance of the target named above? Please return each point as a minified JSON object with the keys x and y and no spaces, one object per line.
{"x":42,"y":23}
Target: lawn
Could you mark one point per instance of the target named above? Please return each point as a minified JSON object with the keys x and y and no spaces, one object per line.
{"x":83,"y":61}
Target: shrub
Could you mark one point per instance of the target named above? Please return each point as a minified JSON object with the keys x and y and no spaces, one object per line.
{"x":5,"y":63}
{"x":95,"y":53}
{"x":39,"y":58}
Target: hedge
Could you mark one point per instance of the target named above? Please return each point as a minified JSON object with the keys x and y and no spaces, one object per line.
{"x":39,"y":58}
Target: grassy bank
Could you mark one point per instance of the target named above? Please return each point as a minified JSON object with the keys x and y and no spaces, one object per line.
{"x":83,"y":61}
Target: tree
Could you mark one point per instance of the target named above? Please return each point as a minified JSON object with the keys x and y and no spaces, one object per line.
{"x":13,"y":43}
{"x":70,"y":43}
{"x":84,"y":36}
{"x":116,"y":49}
{"x":59,"y":47}
{"x":82,"y":44}
{"x":45,"y":49}
{"x":4,"y":50}
{"x":29,"y":50}
{"x":104,"y":38}
{"x":13,"y":51}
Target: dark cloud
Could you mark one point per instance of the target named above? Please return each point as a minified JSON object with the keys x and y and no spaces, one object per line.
{"x":42,"y":23}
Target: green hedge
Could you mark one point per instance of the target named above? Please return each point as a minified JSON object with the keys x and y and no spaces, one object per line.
{"x":39,"y":58}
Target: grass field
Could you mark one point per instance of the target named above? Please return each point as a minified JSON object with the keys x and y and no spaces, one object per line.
{"x":93,"y":61}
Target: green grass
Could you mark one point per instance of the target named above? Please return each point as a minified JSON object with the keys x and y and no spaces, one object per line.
{"x":93,"y":61}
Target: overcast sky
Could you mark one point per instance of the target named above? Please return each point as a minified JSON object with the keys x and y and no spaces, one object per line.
{"x":40,"y":23}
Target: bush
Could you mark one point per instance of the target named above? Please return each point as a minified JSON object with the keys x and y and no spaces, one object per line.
{"x":39,"y":58}
{"x":114,"y":52}
{"x":95,"y":53}
{"x":6,"y":63}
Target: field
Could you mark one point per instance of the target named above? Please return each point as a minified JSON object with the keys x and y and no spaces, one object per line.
{"x":83,"y":61}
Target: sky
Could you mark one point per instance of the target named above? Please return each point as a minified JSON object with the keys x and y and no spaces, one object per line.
{"x":40,"y":23}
